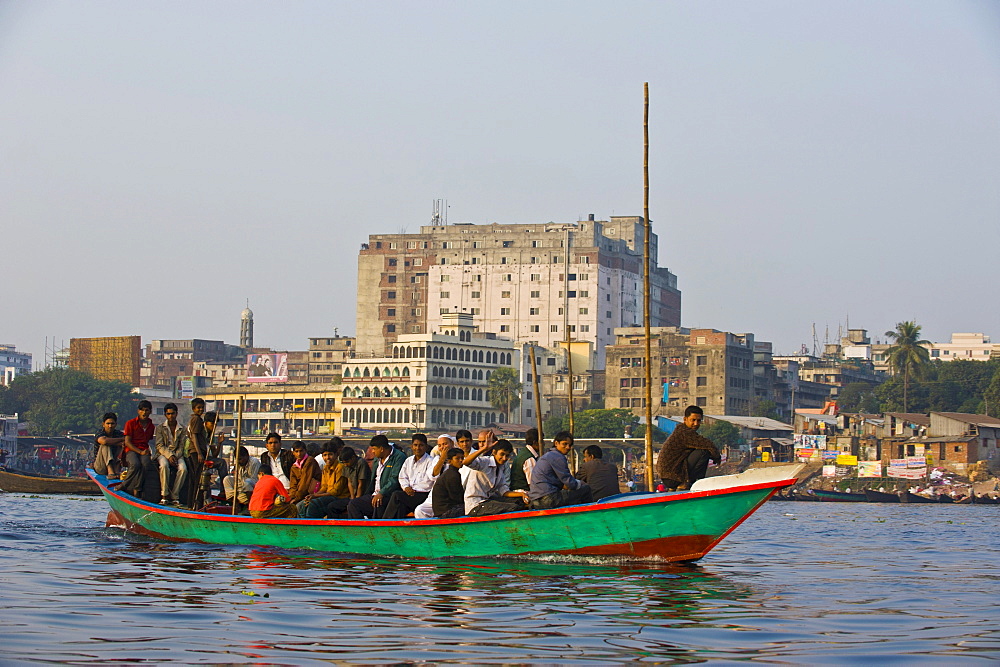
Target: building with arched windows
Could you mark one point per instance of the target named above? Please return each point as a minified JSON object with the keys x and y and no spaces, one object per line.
{"x":430,"y":381}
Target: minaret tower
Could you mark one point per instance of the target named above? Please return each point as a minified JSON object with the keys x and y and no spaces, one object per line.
{"x":246,"y":327}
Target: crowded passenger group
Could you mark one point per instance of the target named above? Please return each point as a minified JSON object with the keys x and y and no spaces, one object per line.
{"x":455,"y":475}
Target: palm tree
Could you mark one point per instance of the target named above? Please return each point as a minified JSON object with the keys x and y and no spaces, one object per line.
{"x":504,"y":390}
{"x":907,"y":354}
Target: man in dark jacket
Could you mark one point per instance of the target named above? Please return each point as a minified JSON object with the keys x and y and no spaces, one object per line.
{"x":684,"y":457}
{"x":551,"y":484}
{"x":387,"y":464}
{"x":598,"y":473}
{"x":448,"y":495}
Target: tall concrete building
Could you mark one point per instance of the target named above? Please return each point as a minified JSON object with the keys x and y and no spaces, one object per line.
{"x":536,"y":283}
{"x":704,"y":367}
{"x":13,"y":363}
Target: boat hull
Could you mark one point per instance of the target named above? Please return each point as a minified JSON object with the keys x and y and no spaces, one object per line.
{"x":880,"y":496}
{"x":840,"y":496}
{"x":22,"y":483}
{"x":672,"y":527}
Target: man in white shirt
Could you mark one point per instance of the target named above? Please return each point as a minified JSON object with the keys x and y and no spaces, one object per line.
{"x":487,"y":487}
{"x":416,"y":479}
{"x":444,"y":442}
{"x":248,"y":466}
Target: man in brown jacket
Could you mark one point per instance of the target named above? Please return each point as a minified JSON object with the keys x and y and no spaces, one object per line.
{"x":684,"y":457}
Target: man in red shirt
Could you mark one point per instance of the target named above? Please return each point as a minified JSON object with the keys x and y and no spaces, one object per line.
{"x":267,"y":489}
{"x":138,"y":437}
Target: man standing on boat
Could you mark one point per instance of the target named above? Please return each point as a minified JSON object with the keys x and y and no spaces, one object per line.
{"x":684,"y":457}
{"x":171,"y":443}
{"x":138,"y":437}
{"x":551,"y":483}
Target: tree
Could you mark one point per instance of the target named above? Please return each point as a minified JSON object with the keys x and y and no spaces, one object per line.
{"x":907,"y":355}
{"x":723,"y":434}
{"x":593,"y":423}
{"x":503,"y":390}
{"x":767,"y":409}
{"x":858,"y":397}
{"x":59,"y":400}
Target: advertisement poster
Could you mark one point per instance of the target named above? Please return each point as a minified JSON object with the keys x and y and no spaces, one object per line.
{"x":847,"y":460}
{"x":267,"y":367}
{"x":829,"y":471}
{"x":869,"y":468}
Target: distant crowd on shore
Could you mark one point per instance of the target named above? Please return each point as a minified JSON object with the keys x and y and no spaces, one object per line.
{"x":454,"y":476}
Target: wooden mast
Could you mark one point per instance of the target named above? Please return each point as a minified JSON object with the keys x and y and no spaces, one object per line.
{"x":237,"y":479}
{"x":538,"y":402}
{"x":645,"y":291}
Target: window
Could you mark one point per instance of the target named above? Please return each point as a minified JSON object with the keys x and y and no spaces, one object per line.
{"x":560,"y":311}
{"x":475,"y":260}
{"x":507,"y":277}
{"x":626,"y":383}
{"x":533,"y":328}
{"x":415,"y":328}
{"x":416,"y":312}
{"x":701,"y":381}
{"x":534,"y":244}
{"x":445,"y":295}
{"x":504,"y":328}
{"x":584,"y":276}
{"x":392,"y":279}
{"x":571,"y":294}
{"x":624,"y":403}
{"x":478,"y":278}
{"x":572,"y":328}
{"x":476,"y":311}
{"x":411,"y":245}
{"x":447,"y":244}
{"x":572,"y":276}
{"x":536,"y":294}
{"x":392,"y":261}
{"x":551,"y":361}
{"x":701,"y":401}
{"x":390,"y":295}
{"x":554,"y":328}
{"x":556,"y":259}
{"x":534,"y":260}
{"x":477,"y":244}
{"x":508,"y":244}
{"x":607,"y":313}
{"x":535,"y":277}
{"x":534,"y":311}
{"x":390,"y":328}
{"x":445,"y":278}
{"x":503,"y":260}
{"x":583,"y":311}
{"x":391,"y":312}
{"x":418,"y":261}
{"x":504,"y":311}
{"x":701,"y":360}
{"x":415,"y":279}
{"x":584,"y":327}
{"x":392,"y":246}
{"x":504,"y":295}
{"x":476,"y":295}
{"x":584,"y":294}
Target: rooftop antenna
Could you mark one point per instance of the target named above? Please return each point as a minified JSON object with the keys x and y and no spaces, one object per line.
{"x":815,"y":342}
{"x":439,"y":212}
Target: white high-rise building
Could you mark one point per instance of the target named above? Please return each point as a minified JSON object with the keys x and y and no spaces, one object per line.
{"x":537,"y":283}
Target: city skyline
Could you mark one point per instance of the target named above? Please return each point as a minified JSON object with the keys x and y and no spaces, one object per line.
{"x":809,"y":164}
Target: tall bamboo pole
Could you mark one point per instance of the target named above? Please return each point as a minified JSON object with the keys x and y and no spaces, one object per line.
{"x":569,"y":384}
{"x":645,"y":291}
{"x":538,"y":402}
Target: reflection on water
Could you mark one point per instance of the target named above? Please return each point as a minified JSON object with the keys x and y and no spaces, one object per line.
{"x":802,"y":582}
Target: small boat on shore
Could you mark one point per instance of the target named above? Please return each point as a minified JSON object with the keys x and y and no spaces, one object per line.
{"x":671,"y":526}
{"x":839,"y":496}
{"x":24,"y":482}
{"x":873,"y":496}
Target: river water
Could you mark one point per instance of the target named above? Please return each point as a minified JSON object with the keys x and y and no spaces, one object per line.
{"x":796,"y":583}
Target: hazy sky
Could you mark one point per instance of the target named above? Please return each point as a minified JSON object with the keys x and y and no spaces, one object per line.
{"x":161,"y":162}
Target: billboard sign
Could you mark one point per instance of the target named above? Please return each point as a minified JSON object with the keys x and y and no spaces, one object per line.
{"x":267,"y":367}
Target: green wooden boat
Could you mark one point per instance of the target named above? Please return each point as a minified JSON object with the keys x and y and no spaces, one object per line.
{"x":677,"y":526}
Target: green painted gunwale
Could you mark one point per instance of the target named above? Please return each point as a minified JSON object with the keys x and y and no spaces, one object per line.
{"x":611,"y":527}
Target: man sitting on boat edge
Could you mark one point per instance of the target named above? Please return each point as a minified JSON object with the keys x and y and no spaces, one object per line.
{"x":551,"y":483}
{"x":683,"y":459}
{"x":388,"y":462}
{"x":108,"y":447}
